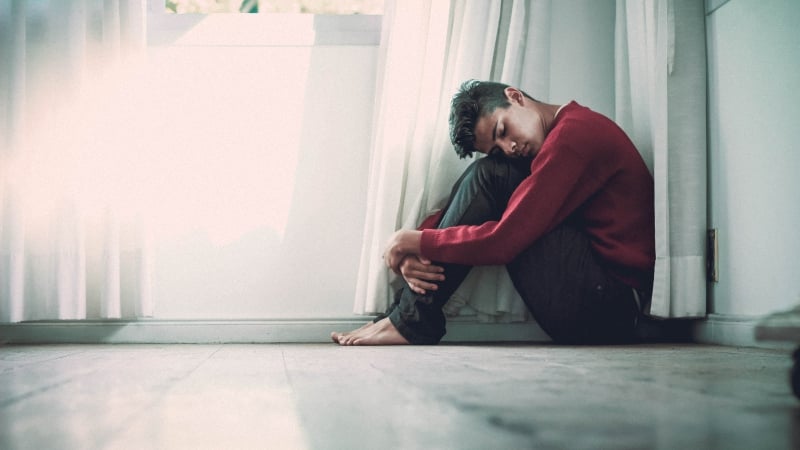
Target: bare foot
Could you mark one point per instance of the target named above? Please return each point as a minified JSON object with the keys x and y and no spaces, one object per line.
{"x":335,"y":336}
{"x":382,"y":332}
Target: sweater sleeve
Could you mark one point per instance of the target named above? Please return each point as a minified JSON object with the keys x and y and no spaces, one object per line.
{"x":562,"y":179}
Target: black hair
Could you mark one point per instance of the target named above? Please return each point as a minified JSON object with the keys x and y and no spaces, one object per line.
{"x":474,"y":100}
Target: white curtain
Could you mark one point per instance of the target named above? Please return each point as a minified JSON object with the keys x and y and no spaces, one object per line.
{"x":661,"y":103}
{"x":428,"y":49}
{"x":71,"y":244}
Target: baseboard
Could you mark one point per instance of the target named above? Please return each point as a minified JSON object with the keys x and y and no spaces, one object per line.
{"x":716,"y":329}
{"x":730,"y":330}
{"x":154,"y":331}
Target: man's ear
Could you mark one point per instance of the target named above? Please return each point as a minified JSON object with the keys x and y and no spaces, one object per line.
{"x":514,"y":95}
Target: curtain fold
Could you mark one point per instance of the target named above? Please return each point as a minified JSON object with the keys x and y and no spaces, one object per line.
{"x":661,"y":104}
{"x":70,"y":246}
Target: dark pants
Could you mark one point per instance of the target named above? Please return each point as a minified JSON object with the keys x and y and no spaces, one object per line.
{"x":565,"y":286}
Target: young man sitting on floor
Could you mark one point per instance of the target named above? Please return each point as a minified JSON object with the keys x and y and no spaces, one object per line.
{"x":562,"y":198}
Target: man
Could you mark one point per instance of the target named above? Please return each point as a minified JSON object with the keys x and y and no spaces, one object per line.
{"x":562,"y":198}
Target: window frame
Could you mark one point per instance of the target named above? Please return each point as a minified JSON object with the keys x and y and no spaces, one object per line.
{"x":268,"y":29}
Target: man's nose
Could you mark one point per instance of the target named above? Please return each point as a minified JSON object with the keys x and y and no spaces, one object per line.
{"x":510,"y":147}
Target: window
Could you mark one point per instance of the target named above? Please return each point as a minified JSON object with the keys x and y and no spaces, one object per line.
{"x":196,"y":23}
{"x":256,"y":122}
{"x":330,"y":7}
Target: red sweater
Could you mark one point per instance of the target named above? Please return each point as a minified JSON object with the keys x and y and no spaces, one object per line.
{"x":588,"y":170}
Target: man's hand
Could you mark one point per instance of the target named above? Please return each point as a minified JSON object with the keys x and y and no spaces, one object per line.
{"x":419,"y":273}
{"x":403,"y":243}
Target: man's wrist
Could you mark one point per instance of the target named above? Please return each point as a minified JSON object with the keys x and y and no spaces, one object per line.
{"x":410,"y":244}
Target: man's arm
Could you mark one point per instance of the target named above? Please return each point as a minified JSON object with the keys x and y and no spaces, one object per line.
{"x":563,"y":176}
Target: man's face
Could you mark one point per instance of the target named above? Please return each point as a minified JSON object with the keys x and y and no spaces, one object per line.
{"x":517,"y":131}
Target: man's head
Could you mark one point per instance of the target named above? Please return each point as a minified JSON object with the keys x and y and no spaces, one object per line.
{"x":485,"y":114}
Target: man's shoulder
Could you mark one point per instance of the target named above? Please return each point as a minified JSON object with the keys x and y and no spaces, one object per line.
{"x":575,"y":114}
{"x":587,"y":131}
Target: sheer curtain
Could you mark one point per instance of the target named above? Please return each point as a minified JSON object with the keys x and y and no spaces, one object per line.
{"x":71,"y":243}
{"x":428,"y":49}
{"x":661,"y":103}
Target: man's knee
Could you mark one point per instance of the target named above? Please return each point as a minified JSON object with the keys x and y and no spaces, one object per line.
{"x":488,"y":170}
{"x":498,"y":175}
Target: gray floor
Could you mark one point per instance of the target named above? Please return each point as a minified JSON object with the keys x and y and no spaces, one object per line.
{"x":452,"y":396}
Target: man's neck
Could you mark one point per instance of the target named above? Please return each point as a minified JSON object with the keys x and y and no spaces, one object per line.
{"x":559,"y":110}
{"x":549,"y":113}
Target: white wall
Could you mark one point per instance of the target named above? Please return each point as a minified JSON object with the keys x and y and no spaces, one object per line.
{"x":254,"y":140}
{"x":583,"y":31}
{"x":754,"y":191}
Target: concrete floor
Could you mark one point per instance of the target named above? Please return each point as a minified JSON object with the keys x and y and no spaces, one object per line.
{"x":320,"y":396}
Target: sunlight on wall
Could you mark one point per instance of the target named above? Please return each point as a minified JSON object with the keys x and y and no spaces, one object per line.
{"x":186,"y":144}
{"x":239,"y":166}
{"x":225,"y":160}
